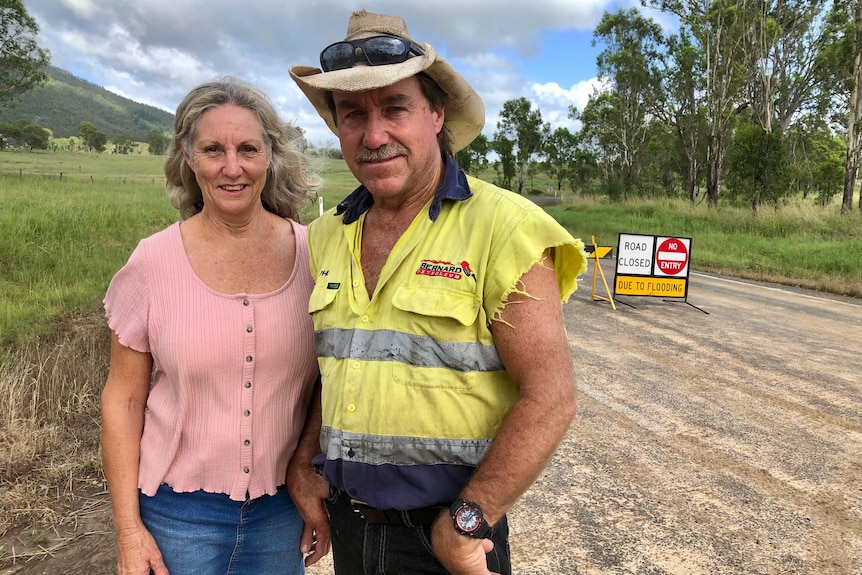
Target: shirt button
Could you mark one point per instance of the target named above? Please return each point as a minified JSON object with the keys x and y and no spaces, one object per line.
{"x":351,"y":408}
{"x":245,"y":302}
{"x":248,"y":358}
{"x":246,"y":413}
{"x":355,"y":283}
{"x":249,"y":329}
{"x":355,"y":365}
{"x":245,"y":470}
{"x":247,"y":384}
{"x":247,"y":442}
{"x":365,"y":319}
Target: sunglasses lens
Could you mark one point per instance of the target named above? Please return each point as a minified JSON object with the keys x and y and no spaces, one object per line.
{"x":376,"y":51}
{"x":382,"y":50}
{"x":338,"y":56}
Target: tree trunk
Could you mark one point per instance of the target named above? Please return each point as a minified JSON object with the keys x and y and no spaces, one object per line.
{"x":854,"y":134}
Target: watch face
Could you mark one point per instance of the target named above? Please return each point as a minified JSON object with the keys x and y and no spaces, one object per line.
{"x":468,"y":519}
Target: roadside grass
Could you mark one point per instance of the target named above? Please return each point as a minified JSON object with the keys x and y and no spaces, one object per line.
{"x":62,"y":239}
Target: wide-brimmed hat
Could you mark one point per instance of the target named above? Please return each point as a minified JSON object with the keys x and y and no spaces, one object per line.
{"x":464,"y":114}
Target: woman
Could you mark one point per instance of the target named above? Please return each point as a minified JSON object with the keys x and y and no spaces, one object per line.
{"x":212,"y":358}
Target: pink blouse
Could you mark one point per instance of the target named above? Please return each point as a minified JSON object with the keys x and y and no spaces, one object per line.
{"x":232,"y":374}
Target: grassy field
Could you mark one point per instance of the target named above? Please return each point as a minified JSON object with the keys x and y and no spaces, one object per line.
{"x":68,"y":221}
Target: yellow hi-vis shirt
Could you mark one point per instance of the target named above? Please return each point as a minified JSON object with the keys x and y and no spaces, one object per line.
{"x":413,"y":386}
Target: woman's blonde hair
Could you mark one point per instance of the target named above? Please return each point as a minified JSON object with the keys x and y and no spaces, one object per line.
{"x":287,"y":185}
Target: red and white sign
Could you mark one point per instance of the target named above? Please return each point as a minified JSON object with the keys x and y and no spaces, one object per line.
{"x":671,"y":257}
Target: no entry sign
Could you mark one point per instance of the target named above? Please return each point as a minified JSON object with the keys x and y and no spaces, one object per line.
{"x":671,"y":257}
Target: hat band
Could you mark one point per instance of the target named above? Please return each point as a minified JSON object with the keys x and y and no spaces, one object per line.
{"x":374,"y":51}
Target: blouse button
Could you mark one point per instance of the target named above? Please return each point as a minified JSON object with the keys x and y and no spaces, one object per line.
{"x":247,"y":384}
{"x":249,"y":329}
{"x":247,"y":442}
{"x":245,"y":470}
{"x":246,"y":413}
{"x":245,"y":302}
{"x":248,"y":358}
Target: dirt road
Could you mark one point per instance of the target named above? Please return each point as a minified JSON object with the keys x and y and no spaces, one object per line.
{"x":727,"y":442}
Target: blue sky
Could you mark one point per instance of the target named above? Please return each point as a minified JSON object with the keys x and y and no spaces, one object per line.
{"x":154,"y":51}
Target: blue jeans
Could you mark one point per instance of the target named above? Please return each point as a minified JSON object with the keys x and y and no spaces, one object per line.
{"x":209,"y":534}
{"x":362,"y":548}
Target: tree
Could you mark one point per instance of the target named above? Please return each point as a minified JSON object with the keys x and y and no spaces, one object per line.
{"x":718,"y":29}
{"x":474,"y":157}
{"x":158,"y":142}
{"x":521,"y":124}
{"x":560,"y":155}
{"x":93,"y":139}
{"x":24,"y":133}
{"x":843,"y":60}
{"x":21,"y":59}
{"x":629,"y":64}
{"x":757,"y":165}
{"x":505,"y":168}
{"x":124,"y":143}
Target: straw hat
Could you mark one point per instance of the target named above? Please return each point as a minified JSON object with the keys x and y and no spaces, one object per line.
{"x":465,"y":112}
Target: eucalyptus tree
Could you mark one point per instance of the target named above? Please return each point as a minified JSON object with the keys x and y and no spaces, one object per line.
{"x":474,"y":158}
{"x":561,"y":150}
{"x":842,"y":61}
{"x":718,"y":29}
{"x":22,"y":61}
{"x":628,"y":66}
{"x":521,"y":128}
{"x":784,"y":42}
{"x":681,"y":105}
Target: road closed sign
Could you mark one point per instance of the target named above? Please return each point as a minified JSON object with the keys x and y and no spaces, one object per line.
{"x":635,"y":254}
{"x":655,"y":266}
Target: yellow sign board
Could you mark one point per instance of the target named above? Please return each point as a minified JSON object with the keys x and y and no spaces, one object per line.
{"x":650,"y":286}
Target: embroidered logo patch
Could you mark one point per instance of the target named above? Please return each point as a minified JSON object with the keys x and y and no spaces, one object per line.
{"x":445,"y":269}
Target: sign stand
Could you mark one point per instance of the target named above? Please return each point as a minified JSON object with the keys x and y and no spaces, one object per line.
{"x":597,"y":265}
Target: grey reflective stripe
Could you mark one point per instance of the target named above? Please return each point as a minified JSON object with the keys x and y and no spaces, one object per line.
{"x":397,"y":450}
{"x":415,"y":350}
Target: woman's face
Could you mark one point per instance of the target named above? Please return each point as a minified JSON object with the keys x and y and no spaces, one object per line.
{"x":229,"y":159}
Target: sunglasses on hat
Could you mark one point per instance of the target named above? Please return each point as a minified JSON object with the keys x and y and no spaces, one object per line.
{"x":376,"y":51}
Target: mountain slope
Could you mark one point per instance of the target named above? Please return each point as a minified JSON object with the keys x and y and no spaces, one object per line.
{"x":64,"y":101}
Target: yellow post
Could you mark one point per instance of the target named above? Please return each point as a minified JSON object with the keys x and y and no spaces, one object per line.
{"x":597,"y":268}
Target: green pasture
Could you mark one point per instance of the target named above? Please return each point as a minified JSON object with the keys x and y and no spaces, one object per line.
{"x":62,"y":237}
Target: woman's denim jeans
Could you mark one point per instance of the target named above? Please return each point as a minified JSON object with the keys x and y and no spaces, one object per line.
{"x":361,"y":548}
{"x":209,"y":534}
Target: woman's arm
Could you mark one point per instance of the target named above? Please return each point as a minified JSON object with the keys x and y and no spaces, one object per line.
{"x":123,"y":401}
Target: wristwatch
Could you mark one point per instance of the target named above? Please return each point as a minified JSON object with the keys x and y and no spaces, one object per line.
{"x":469,"y":519}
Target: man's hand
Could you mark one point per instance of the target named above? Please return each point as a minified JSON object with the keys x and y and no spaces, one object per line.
{"x":459,"y":554}
{"x":309,"y":492}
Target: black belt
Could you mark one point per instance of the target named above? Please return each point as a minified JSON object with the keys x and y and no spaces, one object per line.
{"x":409,"y":517}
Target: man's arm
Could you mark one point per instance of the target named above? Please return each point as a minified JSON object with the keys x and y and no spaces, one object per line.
{"x":307,"y":488}
{"x":531,"y":341}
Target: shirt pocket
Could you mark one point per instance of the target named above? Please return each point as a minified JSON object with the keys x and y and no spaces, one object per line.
{"x":437,"y":303}
{"x":322,"y":296}
{"x":442,"y":323}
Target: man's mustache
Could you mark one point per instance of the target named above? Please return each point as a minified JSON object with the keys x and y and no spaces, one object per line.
{"x":385,"y":152}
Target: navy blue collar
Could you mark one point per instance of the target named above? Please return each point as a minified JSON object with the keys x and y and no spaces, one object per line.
{"x":453,"y":187}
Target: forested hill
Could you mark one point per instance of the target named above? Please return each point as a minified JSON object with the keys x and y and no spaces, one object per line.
{"x":64,"y":101}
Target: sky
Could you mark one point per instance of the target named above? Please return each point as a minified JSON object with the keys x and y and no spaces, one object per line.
{"x":155,"y":51}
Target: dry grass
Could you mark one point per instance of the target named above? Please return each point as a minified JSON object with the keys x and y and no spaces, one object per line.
{"x":49,"y":421}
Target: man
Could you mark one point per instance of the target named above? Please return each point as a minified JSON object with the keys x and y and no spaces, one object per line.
{"x":446,"y":377}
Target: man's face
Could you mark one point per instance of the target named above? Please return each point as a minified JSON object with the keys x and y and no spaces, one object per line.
{"x":389,"y":139}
